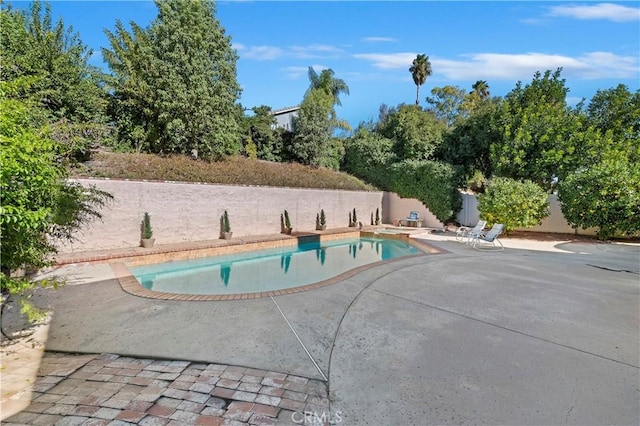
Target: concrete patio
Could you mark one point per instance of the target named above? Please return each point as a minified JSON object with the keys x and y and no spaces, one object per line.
{"x":545,"y":332}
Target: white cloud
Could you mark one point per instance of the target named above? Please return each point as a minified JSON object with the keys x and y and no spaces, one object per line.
{"x":388,"y":60}
{"x":262,"y":53}
{"x":378,"y":39}
{"x":318,"y":68}
{"x":607,"y":11}
{"x":591,"y":65}
{"x":499,"y":66}
{"x":269,"y":53}
{"x":314,"y":51}
{"x":295,"y":73}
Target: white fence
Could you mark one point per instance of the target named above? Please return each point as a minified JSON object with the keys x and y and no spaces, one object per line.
{"x":555,"y":222}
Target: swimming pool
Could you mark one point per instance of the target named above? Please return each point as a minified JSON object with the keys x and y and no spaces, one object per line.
{"x":270,"y":269}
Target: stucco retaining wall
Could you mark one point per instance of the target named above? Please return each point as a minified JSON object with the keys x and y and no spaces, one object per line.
{"x":191,"y":212}
{"x":396,"y":208}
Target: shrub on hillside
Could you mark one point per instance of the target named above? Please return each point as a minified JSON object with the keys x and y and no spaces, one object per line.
{"x":232,"y":171}
{"x":513,"y":203}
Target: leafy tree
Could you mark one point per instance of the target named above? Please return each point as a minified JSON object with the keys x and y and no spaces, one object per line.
{"x":185,"y":69}
{"x":55,"y":59}
{"x":468,"y":144}
{"x":52,"y":62}
{"x":327,"y":82}
{"x":481,"y":89}
{"x":368,"y":154}
{"x":448,"y":104}
{"x":477,"y":97}
{"x":416,"y":133}
{"x":617,"y":111}
{"x":134,"y":101}
{"x":513,"y":203}
{"x":260,"y":129}
{"x":313,"y":142}
{"x":434,"y":183}
{"x":420,"y":70}
{"x":540,"y":134}
{"x":334,"y":154}
{"x":606,"y":196}
{"x":313,"y":128}
{"x":39,"y":206}
{"x":332,"y":87}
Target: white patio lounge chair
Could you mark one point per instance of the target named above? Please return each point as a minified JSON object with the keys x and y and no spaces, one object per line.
{"x":466,"y":233}
{"x":487,"y":240}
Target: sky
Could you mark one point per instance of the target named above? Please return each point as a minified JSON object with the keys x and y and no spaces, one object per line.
{"x":371,"y":44}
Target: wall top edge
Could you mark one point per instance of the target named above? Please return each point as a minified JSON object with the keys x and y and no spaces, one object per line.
{"x":176,"y":182}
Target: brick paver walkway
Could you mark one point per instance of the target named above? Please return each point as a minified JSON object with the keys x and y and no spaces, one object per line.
{"x":109,"y":389}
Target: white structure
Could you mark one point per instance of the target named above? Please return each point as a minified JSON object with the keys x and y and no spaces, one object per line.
{"x":284,"y":117}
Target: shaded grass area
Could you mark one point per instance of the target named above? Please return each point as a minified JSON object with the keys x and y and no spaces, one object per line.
{"x":232,"y":171}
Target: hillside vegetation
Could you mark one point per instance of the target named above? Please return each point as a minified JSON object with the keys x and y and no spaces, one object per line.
{"x":232,"y":171}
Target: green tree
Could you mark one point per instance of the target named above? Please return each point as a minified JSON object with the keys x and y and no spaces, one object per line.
{"x":39,"y":206}
{"x":416,"y":133}
{"x":333,"y":87}
{"x":481,"y":89}
{"x":313,"y":141}
{"x":368,"y":155}
{"x":55,"y":60}
{"x":52,"y":61}
{"x":540,"y":134}
{"x":606,"y":196}
{"x":448,"y":104}
{"x":477,"y":97}
{"x":616,"y":112}
{"x":186,"y":69}
{"x":512,"y":203}
{"x":313,"y":128}
{"x":468,"y":143}
{"x":420,"y":69}
{"x":260,"y":128}
{"x":327,"y":82}
{"x":134,"y":101}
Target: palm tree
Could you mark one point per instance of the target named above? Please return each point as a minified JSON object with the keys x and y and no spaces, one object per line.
{"x":326,"y":81}
{"x":420,"y":70}
{"x":481,"y":88}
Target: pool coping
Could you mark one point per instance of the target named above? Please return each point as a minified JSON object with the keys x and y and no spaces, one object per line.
{"x":131,"y":285}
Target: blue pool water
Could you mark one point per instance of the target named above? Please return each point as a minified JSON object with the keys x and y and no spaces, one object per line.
{"x":269,"y":270}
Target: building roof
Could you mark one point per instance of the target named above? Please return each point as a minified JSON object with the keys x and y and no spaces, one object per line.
{"x":285,"y":110}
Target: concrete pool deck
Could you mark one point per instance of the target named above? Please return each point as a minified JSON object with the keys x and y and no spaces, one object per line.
{"x":545,"y":332}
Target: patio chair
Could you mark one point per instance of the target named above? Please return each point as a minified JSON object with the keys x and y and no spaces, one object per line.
{"x":414,"y":217}
{"x":487,"y":240}
{"x":467,"y":233}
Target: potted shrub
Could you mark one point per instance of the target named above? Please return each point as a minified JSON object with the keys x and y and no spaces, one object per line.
{"x":146,"y":239}
{"x":321,"y":221}
{"x":225,"y":226}
{"x":377,"y":216}
{"x":285,"y":223}
{"x":353,"y":220}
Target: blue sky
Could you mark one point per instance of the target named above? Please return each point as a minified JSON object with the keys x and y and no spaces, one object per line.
{"x":370,"y":45}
